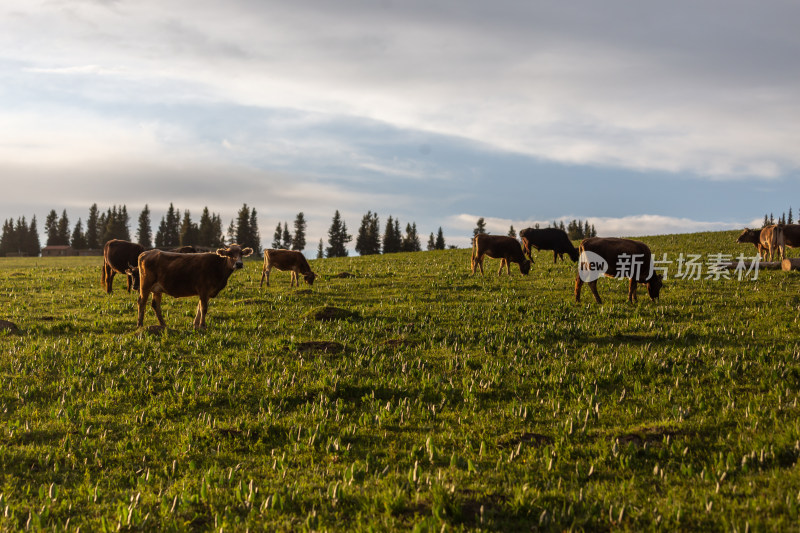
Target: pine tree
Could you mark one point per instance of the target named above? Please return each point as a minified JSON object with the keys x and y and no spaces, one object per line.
{"x":78,"y":238}
{"x":392,"y":238}
{"x":255,"y":234}
{"x":276,"y":237}
{"x":480,"y":227}
{"x":92,"y":230}
{"x":440,"y":239}
{"x":123,"y":224}
{"x":771,"y":219}
{"x":299,"y":239}
{"x":6,"y":240}
{"x":766,"y":222}
{"x":243,"y":233}
{"x":172,"y":228}
{"x":790,"y":219}
{"x":32,"y":246}
{"x":431,"y":242}
{"x":320,"y":252}
{"x":287,"y":237}
{"x":161,"y":233}
{"x":190,"y":233}
{"x":512,"y":232}
{"x":338,"y":237}
{"x":368,"y":241}
{"x":205,"y":231}
{"x":411,"y":239}
{"x":144,"y":234}
{"x":231,"y":232}
{"x":51,"y":227}
{"x":63,"y":229}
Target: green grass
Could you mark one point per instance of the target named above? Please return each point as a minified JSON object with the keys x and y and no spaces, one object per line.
{"x":407,"y":395}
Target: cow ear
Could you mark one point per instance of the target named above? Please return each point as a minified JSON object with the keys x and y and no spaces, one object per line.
{"x":246,"y":252}
{"x":222,"y":252}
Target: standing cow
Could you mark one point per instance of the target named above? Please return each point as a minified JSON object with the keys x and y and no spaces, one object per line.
{"x":507,"y":249}
{"x":120,"y":256}
{"x":623,"y":258}
{"x":752,"y":236}
{"x":771,"y":241}
{"x":182,"y":275}
{"x":548,"y":239}
{"x":284,"y":260}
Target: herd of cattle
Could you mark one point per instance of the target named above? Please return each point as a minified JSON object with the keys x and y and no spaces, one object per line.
{"x":186,"y":272}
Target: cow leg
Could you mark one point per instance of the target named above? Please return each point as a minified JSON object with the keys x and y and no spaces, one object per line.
{"x":143,"y":297}
{"x":130,"y":282}
{"x":632,"y":291}
{"x":200,"y":317}
{"x":502,"y":264}
{"x":578,"y":285}
{"x":294,"y":280}
{"x":477,"y":261}
{"x":264,"y":273}
{"x":109,"y":278}
{"x":593,"y":287}
{"x":555,"y":257}
{"x":156,"y":305}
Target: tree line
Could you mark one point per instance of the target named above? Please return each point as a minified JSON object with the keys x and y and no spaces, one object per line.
{"x":178,"y":228}
{"x":575,"y":229}
{"x":783,"y":219}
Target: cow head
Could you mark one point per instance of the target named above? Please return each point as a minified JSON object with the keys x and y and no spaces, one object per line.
{"x":133,"y":272}
{"x":749,"y":235}
{"x":309,"y":278}
{"x":234,"y":254}
{"x":654,"y":285}
{"x":525,"y":266}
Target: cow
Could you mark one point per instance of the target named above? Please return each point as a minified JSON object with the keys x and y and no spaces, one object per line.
{"x":507,"y":249}
{"x":752,"y":236}
{"x":120,"y":256}
{"x":188,"y":249}
{"x":182,"y":275}
{"x":284,"y":260}
{"x":791,"y":236}
{"x":548,"y":239}
{"x":638,"y":267}
{"x":771,"y":240}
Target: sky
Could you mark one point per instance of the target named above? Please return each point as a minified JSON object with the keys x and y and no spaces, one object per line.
{"x":641,"y":117}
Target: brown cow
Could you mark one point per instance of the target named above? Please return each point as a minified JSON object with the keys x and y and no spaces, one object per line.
{"x":181,"y":275}
{"x":284,"y":260}
{"x":791,"y":236}
{"x":770,"y":241}
{"x":120,"y":256}
{"x":615,"y":252}
{"x":548,"y":239}
{"x":507,"y":249}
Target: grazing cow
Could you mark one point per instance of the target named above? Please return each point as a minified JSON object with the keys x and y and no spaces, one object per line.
{"x":182,"y":275}
{"x":791,"y":236}
{"x":638,"y":267}
{"x":548,"y":239}
{"x":120,"y":256}
{"x":771,"y":240}
{"x":284,"y":260}
{"x":753,"y":236}
{"x":507,"y":249}
{"x":188,"y":249}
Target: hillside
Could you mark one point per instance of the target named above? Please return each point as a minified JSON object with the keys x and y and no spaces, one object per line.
{"x":401,"y":392}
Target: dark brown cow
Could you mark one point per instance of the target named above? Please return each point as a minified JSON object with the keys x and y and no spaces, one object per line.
{"x":548,"y":239}
{"x":188,"y":249}
{"x":181,"y":275}
{"x":752,"y":236}
{"x":120,"y":256}
{"x":507,"y":249}
{"x":284,"y":260}
{"x":612,"y":250}
{"x":791,"y":236}
{"x":770,"y":241}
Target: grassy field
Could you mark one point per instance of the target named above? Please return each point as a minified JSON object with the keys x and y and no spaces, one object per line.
{"x":402,"y":393}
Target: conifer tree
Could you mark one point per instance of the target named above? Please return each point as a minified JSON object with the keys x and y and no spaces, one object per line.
{"x":431,"y":242}
{"x":78,"y":237}
{"x":144,"y":234}
{"x":276,"y":237}
{"x":255,"y":234}
{"x":480,"y":227}
{"x":92,"y":230}
{"x":190,"y":233}
{"x":440,"y":239}
{"x":32,"y":246}
{"x":338,"y":237}
{"x":286,"y":239}
{"x":368,"y":241}
{"x":320,"y":252}
{"x":411,"y":239}
{"x":299,"y":239}
{"x":51,"y":227}
{"x":392,"y":238}
{"x":512,"y":232}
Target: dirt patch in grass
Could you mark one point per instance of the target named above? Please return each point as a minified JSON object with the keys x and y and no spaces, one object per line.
{"x":649,"y":435}
{"x":343,"y":275}
{"x":526,"y":437}
{"x":330,"y":313}
{"x":320,"y":346}
{"x":5,"y":325}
